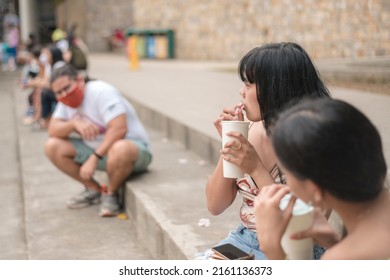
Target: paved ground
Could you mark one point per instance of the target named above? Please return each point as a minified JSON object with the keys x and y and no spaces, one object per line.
{"x":179,"y":101}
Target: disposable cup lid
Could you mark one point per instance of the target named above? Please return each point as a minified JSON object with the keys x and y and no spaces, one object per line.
{"x":300,"y":207}
{"x":237,"y":122}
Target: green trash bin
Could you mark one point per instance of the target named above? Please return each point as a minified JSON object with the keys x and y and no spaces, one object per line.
{"x":141,"y":46}
{"x":171,"y":43}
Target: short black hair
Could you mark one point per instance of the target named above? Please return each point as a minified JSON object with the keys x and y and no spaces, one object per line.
{"x":56,"y":55}
{"x":282,"y":72}
{"x":66,"y":70}
{"x":333,"y":144}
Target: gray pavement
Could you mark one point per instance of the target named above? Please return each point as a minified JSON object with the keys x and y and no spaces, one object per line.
{"x":178,"y":101}
{"x":12,"y":235}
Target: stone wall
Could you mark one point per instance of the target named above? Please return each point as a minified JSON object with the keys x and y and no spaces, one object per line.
{"x":103,"y":17}
{"x":226,"y":29}
{"x":96,"y":19}
{"x":72,"y":12}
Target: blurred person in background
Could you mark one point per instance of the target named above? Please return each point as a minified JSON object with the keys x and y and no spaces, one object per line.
{"x":95,"y":128}
{"x":12,"y":40}
{"x":44,"y":99}
{"x":30,"y":71}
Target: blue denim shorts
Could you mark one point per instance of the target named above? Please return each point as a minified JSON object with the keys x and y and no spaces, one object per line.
{"x":242,"y":238}
{"x":246,"y":240}
{"x":83,"y":152}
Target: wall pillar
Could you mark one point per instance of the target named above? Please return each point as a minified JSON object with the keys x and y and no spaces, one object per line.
{"x":28,"y":14}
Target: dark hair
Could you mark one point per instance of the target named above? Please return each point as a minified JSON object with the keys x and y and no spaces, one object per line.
{"x":66,"y":70}
{"x":56,"y":55}
{"x":36,"y":51}
{"x":282,"y":72}
{"x":333,"y":144}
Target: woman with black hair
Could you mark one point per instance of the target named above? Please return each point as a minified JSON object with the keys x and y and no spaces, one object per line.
{"x":332,"y":157}
{"x":273,"y":75}
{"x":45,"y":101}
{"x":48,"y":99}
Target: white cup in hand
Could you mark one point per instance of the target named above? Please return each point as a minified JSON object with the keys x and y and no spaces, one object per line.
{"x":302,"y":219}
{"x":229,"y":169}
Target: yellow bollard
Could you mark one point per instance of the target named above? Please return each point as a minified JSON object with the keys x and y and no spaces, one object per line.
{"x":132,"y":52}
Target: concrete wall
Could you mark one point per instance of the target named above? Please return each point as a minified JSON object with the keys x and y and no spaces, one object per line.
{"x":227,"y":29}
{"x":96,"y":19}
{"x":72,"y":12}
{"x":103,"y":17}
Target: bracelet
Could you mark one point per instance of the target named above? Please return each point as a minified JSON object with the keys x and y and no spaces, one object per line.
{"x":97,"y":155}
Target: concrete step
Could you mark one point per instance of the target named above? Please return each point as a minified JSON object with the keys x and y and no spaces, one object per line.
{"x":166,"y":204}
{"x":12,"y":234}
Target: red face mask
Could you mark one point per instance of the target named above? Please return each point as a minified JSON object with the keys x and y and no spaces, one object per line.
{"x":74,"y":98}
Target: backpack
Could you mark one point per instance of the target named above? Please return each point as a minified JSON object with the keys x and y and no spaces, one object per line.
{"x":78,"y":59}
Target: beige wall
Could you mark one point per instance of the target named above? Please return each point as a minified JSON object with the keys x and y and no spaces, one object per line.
{"x":226,"y":29}
{"x":72,"y":12}
{"x":95,"y":18}
{"x":103,"y":17}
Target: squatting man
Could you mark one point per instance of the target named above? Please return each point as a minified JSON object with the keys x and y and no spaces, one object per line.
{"x":94,"y":128}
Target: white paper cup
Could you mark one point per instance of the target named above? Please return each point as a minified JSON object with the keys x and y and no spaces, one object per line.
{"x":301,"y":220}
{"x":229,"y":169}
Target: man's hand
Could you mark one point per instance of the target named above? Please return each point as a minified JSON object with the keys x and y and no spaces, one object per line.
{"x":88,"y":168}
{"x":87,"y":130}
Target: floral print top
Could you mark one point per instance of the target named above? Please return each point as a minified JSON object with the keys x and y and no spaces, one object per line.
{"x":249,"y":190}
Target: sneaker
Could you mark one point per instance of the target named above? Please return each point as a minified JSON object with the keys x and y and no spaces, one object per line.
{"x":30,"y":111}
{"x":28,"y":120}
{"x":84,"y":199}
{"x":109,"y":206}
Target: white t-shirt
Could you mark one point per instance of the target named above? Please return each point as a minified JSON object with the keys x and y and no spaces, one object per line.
{"x":101,"y":104}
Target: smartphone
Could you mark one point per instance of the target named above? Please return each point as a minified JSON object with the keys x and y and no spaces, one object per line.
{"x":230,"y":252}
